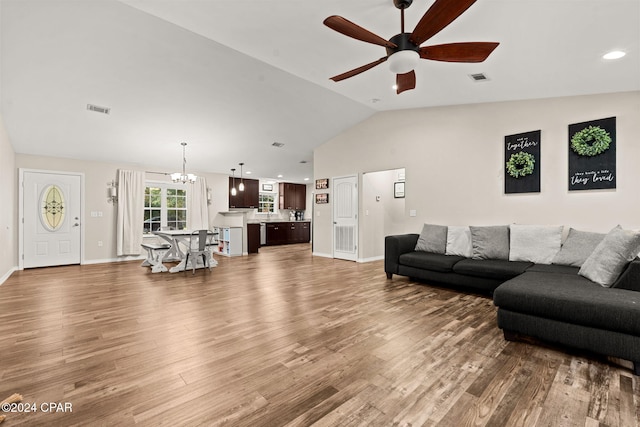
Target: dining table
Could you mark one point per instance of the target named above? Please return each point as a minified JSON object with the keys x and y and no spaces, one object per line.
{"x":179,"y":242}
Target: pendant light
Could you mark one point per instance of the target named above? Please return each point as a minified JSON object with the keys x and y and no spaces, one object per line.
{"x":233,"y":186}
{"x":241,"y":186}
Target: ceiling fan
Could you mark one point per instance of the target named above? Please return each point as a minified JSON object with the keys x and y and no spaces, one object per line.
{"x":404,"y":51}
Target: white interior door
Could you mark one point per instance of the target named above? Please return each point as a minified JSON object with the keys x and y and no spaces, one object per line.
{"x":345,"y":218}
{"x":51,"y":208}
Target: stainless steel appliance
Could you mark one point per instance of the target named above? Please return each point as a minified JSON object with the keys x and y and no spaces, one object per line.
{"x":263,"y":234}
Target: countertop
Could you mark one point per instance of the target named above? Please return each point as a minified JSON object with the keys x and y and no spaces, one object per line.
{"x":259,"y":221}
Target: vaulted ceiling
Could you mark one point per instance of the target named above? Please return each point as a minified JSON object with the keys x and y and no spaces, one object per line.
{"x":232,"y":78}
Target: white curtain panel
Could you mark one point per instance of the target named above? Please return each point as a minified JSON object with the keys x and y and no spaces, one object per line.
{"x":131,"y":186}
{"x":198,"y":208}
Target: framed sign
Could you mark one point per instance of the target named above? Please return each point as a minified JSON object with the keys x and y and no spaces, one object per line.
{"x":322,"y":184}
{"x":522,"y":162}
{"x":322,"y":198}
{"x":398,"y":190}
{"x":592,"y":155}
{"x":267,"y":187}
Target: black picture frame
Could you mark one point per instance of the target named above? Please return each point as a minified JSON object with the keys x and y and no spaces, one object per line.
{"x":595,"y":172}
{"x":322,"y":198}
{"x":322,"y":184}
{"x":527,"y":144}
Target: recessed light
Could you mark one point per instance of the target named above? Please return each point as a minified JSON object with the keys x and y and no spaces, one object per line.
{"x":248,"y":172}
{"x":306,"y":179}
{"x":615,"y":54}
{"x":279,"y":176}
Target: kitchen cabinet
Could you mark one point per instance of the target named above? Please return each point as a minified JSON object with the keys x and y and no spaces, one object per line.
{"x":283,"y":233}
{"x":299,"y":232}
{"x":302,"y":232}
{"x":253,"y":238}
{"x":249,"y":198}
{"x":277,"y":233}
{"x":293,"y":196}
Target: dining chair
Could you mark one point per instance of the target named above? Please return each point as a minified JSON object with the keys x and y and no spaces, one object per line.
{"x":198,"y":246}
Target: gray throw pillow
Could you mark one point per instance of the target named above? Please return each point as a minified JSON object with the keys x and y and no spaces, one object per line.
{"x":577,"y":248}
{"x":490,"y":242}
{"x":612,"y":254}
{"x":433,"y":238}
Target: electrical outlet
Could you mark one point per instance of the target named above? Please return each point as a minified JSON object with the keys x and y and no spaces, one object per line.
{"x":412,"y":212}
{"x":99,"y":243}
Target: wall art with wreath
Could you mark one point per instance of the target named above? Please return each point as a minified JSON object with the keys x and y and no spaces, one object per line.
{"x":592,"y":155}
{"x":522,"y":162}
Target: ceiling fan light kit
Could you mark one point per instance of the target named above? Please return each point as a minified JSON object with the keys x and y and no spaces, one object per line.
{"x":403,"y":49}
{"x":404,"y":61}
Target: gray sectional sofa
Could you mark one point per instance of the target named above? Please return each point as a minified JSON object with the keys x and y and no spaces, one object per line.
{"x":550,"y":302}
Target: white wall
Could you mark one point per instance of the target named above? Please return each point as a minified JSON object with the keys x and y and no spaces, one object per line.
{"x":383,"y":214}
{"x":454,"y":160}
{"x":97,"y":175}
{"x":8,"y":208}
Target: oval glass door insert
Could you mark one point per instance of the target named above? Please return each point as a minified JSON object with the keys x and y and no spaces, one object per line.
{"x":53,"y":207}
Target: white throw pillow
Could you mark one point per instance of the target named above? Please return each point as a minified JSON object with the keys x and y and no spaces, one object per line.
{"x":534,"y":243}
{"x":459,"y":241}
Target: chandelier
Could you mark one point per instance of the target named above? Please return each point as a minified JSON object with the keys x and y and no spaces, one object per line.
{"x":183,"y":177}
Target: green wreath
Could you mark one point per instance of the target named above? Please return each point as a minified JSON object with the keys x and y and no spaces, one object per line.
{"x":521,"y":164}
{"x":590,"y":141}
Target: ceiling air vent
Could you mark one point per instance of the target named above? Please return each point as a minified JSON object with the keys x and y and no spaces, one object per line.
{"x":478,"y":77}
{"x":98,"y":109}
{"x":278,"y":144}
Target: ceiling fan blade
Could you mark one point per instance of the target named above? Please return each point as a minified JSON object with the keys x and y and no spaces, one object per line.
{"x":406,"y":81}
{"x":358,"y":70}
{"x":440,"y":14}
{"x":348,"y":28}
{"x":458,"y":52}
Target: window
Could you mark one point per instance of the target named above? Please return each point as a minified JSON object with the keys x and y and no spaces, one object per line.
{"x":267,"y":203}
{"x":165,"y":206}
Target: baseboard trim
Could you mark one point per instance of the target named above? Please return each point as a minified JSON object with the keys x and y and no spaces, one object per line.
{"x":375,"y":258}
{"x":320,"y":254}
{"x":108,"y":260}
{"x":8,"y":274}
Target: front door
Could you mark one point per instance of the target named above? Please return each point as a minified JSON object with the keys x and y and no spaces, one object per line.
{"x":51,"y":207}
{"x":345,"y":218}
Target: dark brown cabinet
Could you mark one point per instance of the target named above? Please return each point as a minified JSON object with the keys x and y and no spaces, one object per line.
{"x":299,"y":232}
{"x":249,"y":198}
{"x":253,"y":238}
{"x":283,"y":233}
{"x":293,"y":196}
{"x":277,"y":233}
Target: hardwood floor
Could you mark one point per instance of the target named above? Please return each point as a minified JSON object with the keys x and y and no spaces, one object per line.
{"x":282,"y":338}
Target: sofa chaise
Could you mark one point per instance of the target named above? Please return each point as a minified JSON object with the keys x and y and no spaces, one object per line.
{"x":553,"y":302}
